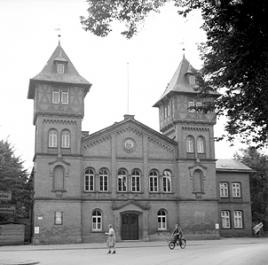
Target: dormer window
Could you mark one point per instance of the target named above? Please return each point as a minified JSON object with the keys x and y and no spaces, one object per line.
{"x":192,"y":80}
{"x":60,"y":68}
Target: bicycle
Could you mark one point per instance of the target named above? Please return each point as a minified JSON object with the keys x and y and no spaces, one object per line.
{"x":179,"y":242}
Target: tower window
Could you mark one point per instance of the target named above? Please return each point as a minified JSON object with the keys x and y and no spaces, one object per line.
{"x":52,"y":138}
{"x":60,"y":68}
{"x":197,"y":181}
{"x":190,"y":144}
{"x":65,"y":139}
{"x":200,"y":145}
{"x":58,"y":181}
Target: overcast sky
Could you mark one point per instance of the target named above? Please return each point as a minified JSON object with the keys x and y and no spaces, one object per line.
{"x":29,"y":36}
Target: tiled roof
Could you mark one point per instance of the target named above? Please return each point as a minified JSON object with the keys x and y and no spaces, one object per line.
{"x":49,"y":73}
{"x":231,"y":165}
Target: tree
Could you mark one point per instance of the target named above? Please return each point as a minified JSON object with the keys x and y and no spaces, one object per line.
{"x":258,"y":182}
{"x":14,"y":178}
{"x":235,"y":54}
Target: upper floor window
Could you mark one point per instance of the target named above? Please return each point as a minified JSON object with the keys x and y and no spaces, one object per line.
{"x":135,"y":180}
{"x":52,"y":138}
{"x":65,"y":139}
{"x":96,"y":220}
{"x":58,"y":178}
{"x":238,"y":219}
{"x":197,"y":181}
{"x":60,"y":68}
{"x":225,"y":219}
{"x":64,"y":97}
{"x":162,"y":220}
{"x":200,"y":144}
{"x":224,"y":192}
{"x":55,"y":96}
{"x":192,"y":80}
{"x":190,"y":144}
{"x":58,"y":218}
{"x":191,"y":106}
{"x":89,"y":179}
{"x":103,"y":179}
{"x":122,"y":180}
{"x":166,"y":181}
{"x":236,"y":190}
{"x":153,"y":180}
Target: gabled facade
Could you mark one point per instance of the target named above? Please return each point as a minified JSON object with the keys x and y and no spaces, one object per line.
{"x":141,"y":181}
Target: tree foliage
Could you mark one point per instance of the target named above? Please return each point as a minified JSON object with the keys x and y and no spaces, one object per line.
{"x":15,"y":179}
{"x":235,"y":54}
{"x":258,"y":182}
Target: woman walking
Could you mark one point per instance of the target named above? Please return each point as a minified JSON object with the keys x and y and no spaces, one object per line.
{"x":111,"y":240}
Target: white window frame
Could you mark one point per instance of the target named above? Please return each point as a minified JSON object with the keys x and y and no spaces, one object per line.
{"x":122,"y":180}
{"x":52,"y":138}
{"x":89,"y":180}
{"x":161,"y":220}
{"x":225,"y":219}
{"x":224,"y":190}
{"x":190,"y":144}
{"x":65,"y":139}
{"x":96,"y":220}
{"x":200,"y":145}
{"x":60,"y":68}
{"x":153,"y":181}
{"x":238,"y":219}
{"x":135,"y":180}
{"x":64,"y":97}
{"x":103,"y":174}
{"x":58,"y":218}
{"x":236,"y":190}
{"x":56,"y":96}
{"x":166,"y":181}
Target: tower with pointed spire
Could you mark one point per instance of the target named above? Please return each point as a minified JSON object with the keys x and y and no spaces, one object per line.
{"x":58,"y":92}
{"x":181,"y":120}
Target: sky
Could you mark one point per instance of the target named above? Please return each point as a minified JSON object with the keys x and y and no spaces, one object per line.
{"x":28,"y":31}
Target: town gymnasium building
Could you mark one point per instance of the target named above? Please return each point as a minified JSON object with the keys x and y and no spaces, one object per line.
{"x":139,"y":180}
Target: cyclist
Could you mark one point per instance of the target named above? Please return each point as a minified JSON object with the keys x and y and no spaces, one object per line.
{"x":177,"y":233}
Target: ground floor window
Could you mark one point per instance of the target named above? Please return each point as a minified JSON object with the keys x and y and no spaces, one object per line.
{"x":96,"y":220}
{"x":58,"y":218}
{"x":162,"y":220}
{"x":225,"y":219}
{"x":238,"y":219}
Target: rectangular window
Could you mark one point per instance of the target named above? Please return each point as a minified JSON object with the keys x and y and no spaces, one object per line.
{"x":153,"y":184}
{"x":166,"y":184}
{"x":96,"y":223}
{"x":191,"y":106}
{"x":122,"y":183}
{"x":64,"y":97}
{"x":56,"y":97}
{"x":238,"y":219}
{"x":89,"y":183}
{"x":162,"y":225}
{"x":224,"y":190}
{"x":236,"y":190}
{"x":103,"y":183}
{"x":225,"y":219}
{"x":58,"y":218}
{"x":60,"y":68}
{"x":135,"y":183}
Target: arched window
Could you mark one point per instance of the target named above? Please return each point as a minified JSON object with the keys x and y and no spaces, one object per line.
{"x":103,"y":179}
{"x":58,"y":178}
{"x":65,"y":139}
{"x":96,"y":220}
{"x":197,"y":181}
{"x":200,"y":144}
{"x":190,"y":144}
{"x":52,"y":138}
{"x":122,"y":180}
{"x":162,"y":220}
{"x":89,"y":179}
{"x":166,"y":181}
{"x":135,"y":180}
{"x":153,"y":180}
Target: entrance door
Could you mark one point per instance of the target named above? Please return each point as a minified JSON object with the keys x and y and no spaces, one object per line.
{"x":130,"y":226}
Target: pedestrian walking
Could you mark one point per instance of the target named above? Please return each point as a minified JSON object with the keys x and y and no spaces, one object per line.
{"x":111,"y":240}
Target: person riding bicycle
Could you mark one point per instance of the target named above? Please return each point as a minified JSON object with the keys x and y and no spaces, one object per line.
{"x":177,"y":233}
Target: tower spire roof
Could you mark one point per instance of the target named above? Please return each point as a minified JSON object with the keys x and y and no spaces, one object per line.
{"x":50,"y":74}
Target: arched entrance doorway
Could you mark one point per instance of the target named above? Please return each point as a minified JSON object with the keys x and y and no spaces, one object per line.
{"x":129,"y":226}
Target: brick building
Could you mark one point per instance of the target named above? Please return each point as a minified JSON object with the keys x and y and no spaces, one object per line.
{"x":141,"y":181}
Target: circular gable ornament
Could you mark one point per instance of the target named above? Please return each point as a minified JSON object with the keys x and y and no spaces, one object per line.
{"x":129,"y":145}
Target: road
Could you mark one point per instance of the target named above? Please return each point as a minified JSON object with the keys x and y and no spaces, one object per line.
{"x":215,"y":252}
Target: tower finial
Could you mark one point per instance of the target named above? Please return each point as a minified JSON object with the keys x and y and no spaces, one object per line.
{"x":58,"y":29}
